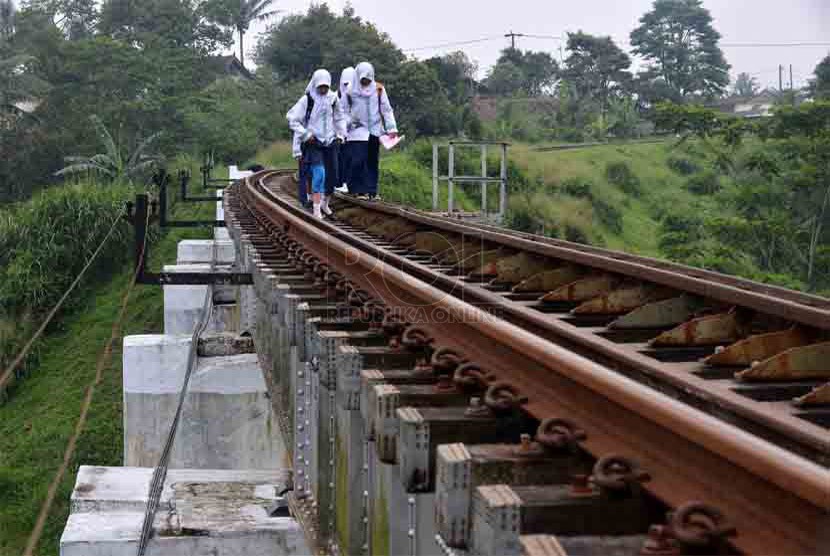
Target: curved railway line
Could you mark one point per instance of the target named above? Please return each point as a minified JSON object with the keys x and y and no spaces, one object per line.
{"x":710,"y":393}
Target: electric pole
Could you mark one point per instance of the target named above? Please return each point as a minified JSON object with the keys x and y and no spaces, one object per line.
{"x":512,"y":36}
{"x":780,"y":78}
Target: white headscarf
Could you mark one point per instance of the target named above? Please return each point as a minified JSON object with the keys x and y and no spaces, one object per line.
{"x":364,"y":70}
{"x":346,"y":78}
{"x":320,"y":77}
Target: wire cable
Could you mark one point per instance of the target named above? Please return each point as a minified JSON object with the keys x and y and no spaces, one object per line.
{"x":160,"y":472}
{"x":6,"y":376}
{"x":103,"y":359}
{"x":449,"y":44}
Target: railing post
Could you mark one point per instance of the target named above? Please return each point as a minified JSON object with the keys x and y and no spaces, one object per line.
{"x":435,"y":196}
{"x":451,"y":175}
{"x":484,"y":181}
{"x":503,"y":183}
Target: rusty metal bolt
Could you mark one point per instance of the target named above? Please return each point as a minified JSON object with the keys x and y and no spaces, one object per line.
{"x":470,"y":377}
{"x":393,"y":325}
{"x":477,"y":409}
{"x":343,"y":285}
{"x":422,"y":367}
{"x":528,"y":448}
{"x":660,"y":542}
{"x":445,"y":360}
{"x":559,"y":434}
{"x":444,"y":384}
{"x":503,"y":397}
{"x":701,"y":525}
{"x":618,"y":474}
{"x":581,"y":486}
{"x":416,"y":337}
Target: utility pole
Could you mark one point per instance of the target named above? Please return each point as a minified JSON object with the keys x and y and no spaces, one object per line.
{"x":792,"y":87}
{"x":512,"y":36}
{"x":780,"y":78}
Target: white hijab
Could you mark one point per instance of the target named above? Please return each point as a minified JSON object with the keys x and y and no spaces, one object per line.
{"x":364,"y":70}
{"x":320,"y":77}
{"x":346,"y":79}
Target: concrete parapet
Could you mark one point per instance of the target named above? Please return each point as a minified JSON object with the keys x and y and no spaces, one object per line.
{"x":227,"y":421}
{"x":195,"y":251}
{"x":200,"y":512}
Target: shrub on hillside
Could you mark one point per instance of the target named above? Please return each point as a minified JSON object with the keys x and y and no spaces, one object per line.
{"x":619,"y":173}
{"x":577,"y":235}
{"x":706,"y":183}
{"x":609,"y":215}
{"x":578,"y":187}
{"x":682,"y":165}
{"x":46,"y":241}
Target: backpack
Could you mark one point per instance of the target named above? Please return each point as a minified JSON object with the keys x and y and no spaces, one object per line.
{"x":380,"y":108}
{"x":310,"y":107}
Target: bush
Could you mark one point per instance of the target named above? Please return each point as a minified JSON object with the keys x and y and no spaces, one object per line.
{"x":620,"y":174}
{"x":45,"y":242}
{"x":578,"y":187}
{"x":682,"y":165}
{"x":609,"y":215}
{"x":576,"y":235}
{"x":706,"y":183}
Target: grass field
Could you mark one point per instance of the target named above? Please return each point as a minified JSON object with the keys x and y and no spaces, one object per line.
{"x":42,"y":410}
{"x":406,"y":179}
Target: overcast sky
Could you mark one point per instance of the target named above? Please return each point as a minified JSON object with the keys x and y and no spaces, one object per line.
{"x":414,"y":24}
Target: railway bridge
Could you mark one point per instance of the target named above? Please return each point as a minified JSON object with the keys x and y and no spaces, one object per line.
{"x":400,"y":382}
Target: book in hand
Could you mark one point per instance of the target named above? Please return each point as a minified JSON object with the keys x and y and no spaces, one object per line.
{"x":390,"y":142}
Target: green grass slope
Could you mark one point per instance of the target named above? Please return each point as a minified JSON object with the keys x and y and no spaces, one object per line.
{"x":42,"y":410}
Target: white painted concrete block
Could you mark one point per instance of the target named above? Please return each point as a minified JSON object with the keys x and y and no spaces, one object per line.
{"x":227,"y":420}
{"x":200,"y":513}
{"x":125,"y":489}
{"x":195,"y":251}
{"x":183,"y":305}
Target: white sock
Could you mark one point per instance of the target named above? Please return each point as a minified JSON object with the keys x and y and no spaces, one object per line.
{"x":317,"y":213}
{"x":324,"y":206}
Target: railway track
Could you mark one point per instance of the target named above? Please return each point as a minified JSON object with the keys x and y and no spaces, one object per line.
{"x":672,"y":386}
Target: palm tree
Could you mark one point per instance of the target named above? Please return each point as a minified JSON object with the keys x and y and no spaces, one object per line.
{"x":112,"y":163}
{"x":240,"y":14}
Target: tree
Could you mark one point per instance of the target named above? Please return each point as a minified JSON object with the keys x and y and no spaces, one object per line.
{"x":76,"y":18}
{"x":162,"y":26}
{"x":821,"y":85}
{"x":239,"y":14}
{"x":7,"y":17}
{"x":19,"y":81}
{"x":505,"y":78}
{"x":301,"y":43}
{"x":596,"y":67}
{"x":421,"y":104}
{"x":114,"y":163}
{"x":805,"y":132}
{"x":530,"y":73}
{"x":746,"y":86}
{"x":457,"y":74}
{"x":680,"y":44}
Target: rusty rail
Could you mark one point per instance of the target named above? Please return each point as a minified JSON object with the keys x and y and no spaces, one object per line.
{"x":778,"y":501}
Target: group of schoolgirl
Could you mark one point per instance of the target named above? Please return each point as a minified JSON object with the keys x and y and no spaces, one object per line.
{"x":337,"y":135}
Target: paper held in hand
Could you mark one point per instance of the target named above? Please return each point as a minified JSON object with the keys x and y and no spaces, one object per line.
{"x":389,"y":142}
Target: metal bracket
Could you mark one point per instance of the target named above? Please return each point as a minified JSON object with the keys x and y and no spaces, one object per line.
{"x":162,"y":179}
{"x":137,"y":215}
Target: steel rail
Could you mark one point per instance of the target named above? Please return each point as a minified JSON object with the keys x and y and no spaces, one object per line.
{"x":783,"y":429}
{"x":778,"y":501}
{"x":799,"y":307}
